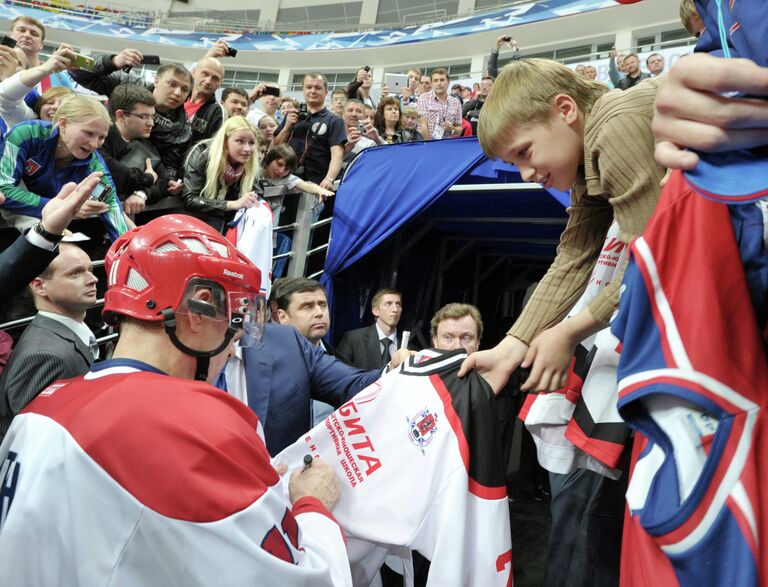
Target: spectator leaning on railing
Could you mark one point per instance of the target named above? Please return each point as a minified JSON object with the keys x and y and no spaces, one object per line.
{"x":130,"y":156}
{"x":221,"y":174}
{"x":44,"y":156}
{"x":172,"y":132}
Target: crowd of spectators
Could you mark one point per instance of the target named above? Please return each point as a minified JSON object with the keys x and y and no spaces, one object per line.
{"x":218,"y":151}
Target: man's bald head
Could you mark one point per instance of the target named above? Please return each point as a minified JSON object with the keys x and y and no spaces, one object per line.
{"x":207,"y":76}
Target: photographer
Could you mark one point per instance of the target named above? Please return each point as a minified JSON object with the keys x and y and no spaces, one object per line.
{"x":493,"y":60}
{"x":361,"y":133}
{"x":316,"y":134}
{"x":360,"y":87}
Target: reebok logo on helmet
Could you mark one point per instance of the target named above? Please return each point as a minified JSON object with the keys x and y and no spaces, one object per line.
{"x":229,"y":273}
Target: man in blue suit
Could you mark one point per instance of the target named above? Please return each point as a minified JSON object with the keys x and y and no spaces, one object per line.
{"x":280,"y":376}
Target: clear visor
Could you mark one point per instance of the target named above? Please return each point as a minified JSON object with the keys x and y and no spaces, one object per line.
{"x":247,"y":313}
{"x":243,"y":311}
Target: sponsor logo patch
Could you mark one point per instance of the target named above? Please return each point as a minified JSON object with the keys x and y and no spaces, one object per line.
{"x":31,"y":166}
{"x":422,"y":428}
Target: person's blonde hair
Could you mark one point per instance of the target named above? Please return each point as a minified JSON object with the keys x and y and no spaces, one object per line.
{"x":524,"y":93}
{"x":79,"y":109}
{"x":215,"y":187}
{"x":457,"y":311}
{"x":690,"y":17}
{"x":50,"y":95}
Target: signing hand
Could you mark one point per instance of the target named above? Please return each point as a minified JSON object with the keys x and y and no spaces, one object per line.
{"x":318,"y":481}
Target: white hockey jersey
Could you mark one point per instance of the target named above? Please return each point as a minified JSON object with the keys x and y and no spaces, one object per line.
{"x":130,"y":477}
{"x":419,"y":458}
{"x":251,"y":233}
{"x":579,"y":426}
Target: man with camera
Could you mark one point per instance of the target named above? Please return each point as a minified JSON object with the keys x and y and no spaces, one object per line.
{"x":316,"y":134}
{"x":361,"y":134}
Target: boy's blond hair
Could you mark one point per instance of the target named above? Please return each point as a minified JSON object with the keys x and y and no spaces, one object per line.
{"x":690,"y":17}
{"x":524,"y":93}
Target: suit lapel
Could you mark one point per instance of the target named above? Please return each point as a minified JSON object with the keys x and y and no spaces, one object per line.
{"x":66,"y":333}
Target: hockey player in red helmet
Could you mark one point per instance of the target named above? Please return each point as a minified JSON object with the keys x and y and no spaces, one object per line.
{"x":137,"y":475}
{"x":175,"y":270}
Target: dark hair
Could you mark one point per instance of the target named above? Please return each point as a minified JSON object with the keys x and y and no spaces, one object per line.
{"x":378,"y":119}
{"x":125,"y":96}
{"x":314,"y":75}
{"x":440,"y":71}
{"x":382,"y":292}
{"x":283,"y":151}
{"x":653,"y":55}
{"x":175,"y":69}
{"x":234,"y":90}
{"x":283,"y":290}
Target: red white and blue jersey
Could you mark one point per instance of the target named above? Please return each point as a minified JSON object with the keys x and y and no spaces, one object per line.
{"x":693,"y":379}
{"x":129,"y":477}
{"x":418,"y":455}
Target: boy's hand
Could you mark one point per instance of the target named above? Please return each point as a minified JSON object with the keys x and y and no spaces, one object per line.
{"x":497,"y":364}
{"x":549,"y":358}
{"x":691,"y":112}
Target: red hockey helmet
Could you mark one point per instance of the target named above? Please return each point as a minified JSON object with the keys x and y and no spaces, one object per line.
{"x":152,"y":269}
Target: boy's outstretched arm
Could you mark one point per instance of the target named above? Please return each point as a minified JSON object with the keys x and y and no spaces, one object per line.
{"x":549,"y":356}
{"x":692,"y":112}
{"x":496,"y":365}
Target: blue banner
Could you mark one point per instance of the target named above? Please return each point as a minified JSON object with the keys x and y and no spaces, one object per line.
{"x":500,"y":19}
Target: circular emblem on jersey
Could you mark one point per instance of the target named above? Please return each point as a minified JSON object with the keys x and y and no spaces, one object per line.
{"x":422,"y":428}
{"x":319,"y":128}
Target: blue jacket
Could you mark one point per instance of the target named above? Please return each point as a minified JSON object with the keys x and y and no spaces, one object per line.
{"x":284,"y":372}
{"x":28,"y":151}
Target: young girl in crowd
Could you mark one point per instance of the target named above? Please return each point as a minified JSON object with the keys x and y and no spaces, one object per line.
{"x":410,"y":119}
{"x":278,"y":164}
{"x":267,"y":126}
{"x":221,"y":174}
{"x":45,"y":156}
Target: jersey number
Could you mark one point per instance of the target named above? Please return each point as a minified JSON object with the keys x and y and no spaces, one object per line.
{"x":275,"y":543}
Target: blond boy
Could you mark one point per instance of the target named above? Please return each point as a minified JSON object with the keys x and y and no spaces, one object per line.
{"x":568,"y":132}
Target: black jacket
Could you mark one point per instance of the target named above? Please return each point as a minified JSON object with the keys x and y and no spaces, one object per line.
{"x":172,"y":132}
{"x":127,"y":177}
{"x":207,"y":120}
{"x":213,"y":211}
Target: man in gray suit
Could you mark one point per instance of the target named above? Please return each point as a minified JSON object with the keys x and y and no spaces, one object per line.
{"x":57,"y":344}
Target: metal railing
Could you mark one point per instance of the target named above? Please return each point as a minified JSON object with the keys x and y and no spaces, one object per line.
{"x":302,"y":230}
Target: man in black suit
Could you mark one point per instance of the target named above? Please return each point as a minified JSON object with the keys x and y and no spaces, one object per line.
{"x":57,"y":344}
{"x":373,"y":346}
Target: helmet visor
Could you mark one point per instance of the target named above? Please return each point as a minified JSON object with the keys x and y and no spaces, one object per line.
{"x":247,"y":314}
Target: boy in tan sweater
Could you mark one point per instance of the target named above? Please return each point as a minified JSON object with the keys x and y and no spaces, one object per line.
{"x":566,"y":131}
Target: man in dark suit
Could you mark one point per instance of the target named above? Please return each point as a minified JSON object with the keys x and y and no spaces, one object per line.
{"x":57,"y":344}
{"x":373,"y":346}
{"x":280,"y":376}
